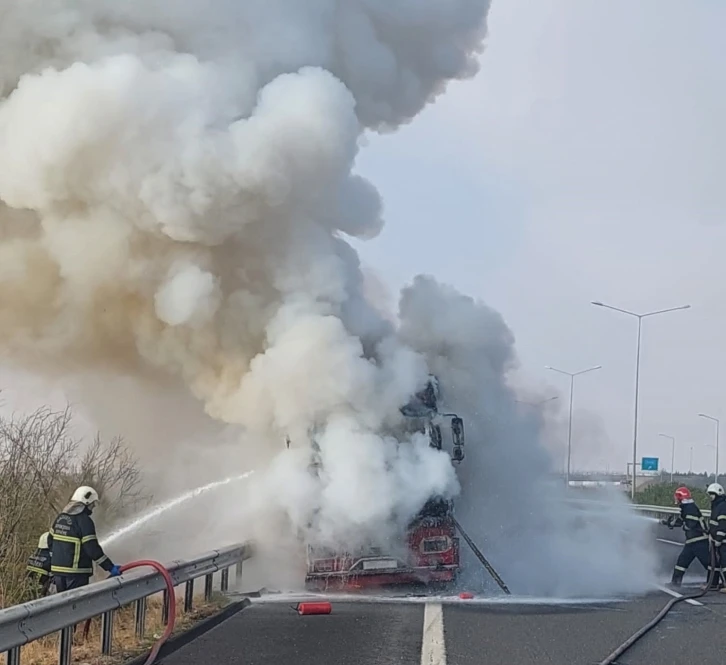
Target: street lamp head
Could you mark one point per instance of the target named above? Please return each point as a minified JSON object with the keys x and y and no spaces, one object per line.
{"x":589,"y":369}
{"x":597,"y":302}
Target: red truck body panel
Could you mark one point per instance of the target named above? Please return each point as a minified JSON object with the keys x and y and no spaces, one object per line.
{"x":430,"y":554}
{"x":432,"y":557}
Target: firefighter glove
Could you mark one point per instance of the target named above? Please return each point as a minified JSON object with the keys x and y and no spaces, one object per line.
{"x":115,"y":571}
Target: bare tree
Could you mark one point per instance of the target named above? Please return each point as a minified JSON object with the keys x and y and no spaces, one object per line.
{"x":112,"y":469}
{"x":40,"y":465}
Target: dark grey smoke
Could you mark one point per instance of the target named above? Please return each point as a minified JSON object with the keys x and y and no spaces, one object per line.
{"x":510,"y":502}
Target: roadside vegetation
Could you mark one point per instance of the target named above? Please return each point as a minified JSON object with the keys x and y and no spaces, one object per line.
{"x":661,"y":494}
{"x":40,"y":466}
{"x":41,"y":463}
{"x":87,"y":649}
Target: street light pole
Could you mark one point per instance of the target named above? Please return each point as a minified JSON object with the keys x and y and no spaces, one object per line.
{"x":640,"y":318}
{"x":572,"y":376}
{"x":690,"y":466}
{"x":673,"y":451}
{"x":718,"y":423}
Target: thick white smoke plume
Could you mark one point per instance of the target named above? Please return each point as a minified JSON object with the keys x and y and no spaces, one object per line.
{"x":176,"y":179}
{"x":175,"y":182}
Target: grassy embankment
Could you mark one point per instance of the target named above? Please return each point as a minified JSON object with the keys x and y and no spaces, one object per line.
{"x":41,"y":463}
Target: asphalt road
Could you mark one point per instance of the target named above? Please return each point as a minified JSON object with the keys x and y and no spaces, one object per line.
{"x":416,"y":632}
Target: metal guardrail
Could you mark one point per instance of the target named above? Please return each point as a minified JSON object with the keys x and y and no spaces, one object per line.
{"x":658,"y":511}
{"x":60,"y":612}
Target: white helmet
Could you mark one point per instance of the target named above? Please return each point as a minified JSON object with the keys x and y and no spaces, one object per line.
{"x":715,"y":488}
{"x":87,"y":495}
{"x":43,"y":542}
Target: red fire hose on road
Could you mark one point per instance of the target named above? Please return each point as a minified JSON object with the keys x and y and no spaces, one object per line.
{"x":171,"y":600}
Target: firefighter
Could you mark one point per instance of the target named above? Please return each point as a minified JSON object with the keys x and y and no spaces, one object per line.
{"x":39,"y":566}
{"x":74,"y":544}
{"x":696,"y":546}
{"x":717,"y":533}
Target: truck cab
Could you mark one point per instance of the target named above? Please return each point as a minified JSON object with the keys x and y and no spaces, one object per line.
{"x":431,"y":552}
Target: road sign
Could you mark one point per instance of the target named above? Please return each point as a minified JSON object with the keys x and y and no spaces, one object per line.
{"x":649,"y":464}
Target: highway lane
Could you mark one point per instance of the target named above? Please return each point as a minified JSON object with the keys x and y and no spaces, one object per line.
{"x":273,"y":633}
{"x":415,"y":632}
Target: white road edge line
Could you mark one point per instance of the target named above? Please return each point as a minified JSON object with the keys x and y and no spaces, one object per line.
{"x":433,"y":648}
{"x":675,"y":594}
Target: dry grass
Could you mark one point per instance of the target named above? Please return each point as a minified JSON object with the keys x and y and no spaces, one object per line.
{"x":125,"y":644}
{"x":40,"y":466}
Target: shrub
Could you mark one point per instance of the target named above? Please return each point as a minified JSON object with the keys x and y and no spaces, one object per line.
{"x":662,"y":495}
{"x":40,"y":465}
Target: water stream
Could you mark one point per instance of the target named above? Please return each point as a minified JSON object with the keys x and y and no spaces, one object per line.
{"x":168,"y":505}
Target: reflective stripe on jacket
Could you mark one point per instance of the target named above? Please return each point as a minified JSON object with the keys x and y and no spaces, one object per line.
{"x":717,"y":521}
{"x":39,"y":563}
{"x":74,"y":544}
{"x":693,"y":522}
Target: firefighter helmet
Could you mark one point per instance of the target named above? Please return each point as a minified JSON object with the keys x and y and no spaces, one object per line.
{"x":681,"y":493}
{"x":43,"y":541}
{"x":715,"y":488}
{"x":85,"y":495}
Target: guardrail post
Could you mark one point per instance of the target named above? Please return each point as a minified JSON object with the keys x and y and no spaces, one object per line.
{"x":189,"y":596}
{"x":13,"y":656}
{"x":66,"y":645}
{"x":208,"y":582}
{"x":225,"y":580}
{"x":107,"y":633}
{"x":165,"y":608}
{"x":140,"y":618}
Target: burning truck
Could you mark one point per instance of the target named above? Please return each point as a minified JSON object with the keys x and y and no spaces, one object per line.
{"x":431,"y":553}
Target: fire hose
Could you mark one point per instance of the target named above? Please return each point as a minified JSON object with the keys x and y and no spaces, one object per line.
{"x":610,"y":660}
{"x":171,"y":600}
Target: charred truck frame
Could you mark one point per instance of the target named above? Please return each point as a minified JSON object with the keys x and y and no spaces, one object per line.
{"x":432,"y":548}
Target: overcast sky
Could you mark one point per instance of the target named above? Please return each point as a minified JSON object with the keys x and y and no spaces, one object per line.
{"x":585,"y":162}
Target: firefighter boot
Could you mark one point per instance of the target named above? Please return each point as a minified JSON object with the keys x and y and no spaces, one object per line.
{"x":715,"y":584}
{"x":677,"y":579}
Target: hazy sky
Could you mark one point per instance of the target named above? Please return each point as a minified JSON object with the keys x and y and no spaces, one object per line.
{"x":584,"y":163}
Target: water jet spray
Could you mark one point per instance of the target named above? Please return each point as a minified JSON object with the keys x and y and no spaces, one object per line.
{"x":168,"y":505}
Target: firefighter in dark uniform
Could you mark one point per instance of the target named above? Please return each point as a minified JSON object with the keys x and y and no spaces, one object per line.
{"x":74,"y":544}
{"x":39,"y":567}
{"x":717,"y":533}
{"x":696,"y":546}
